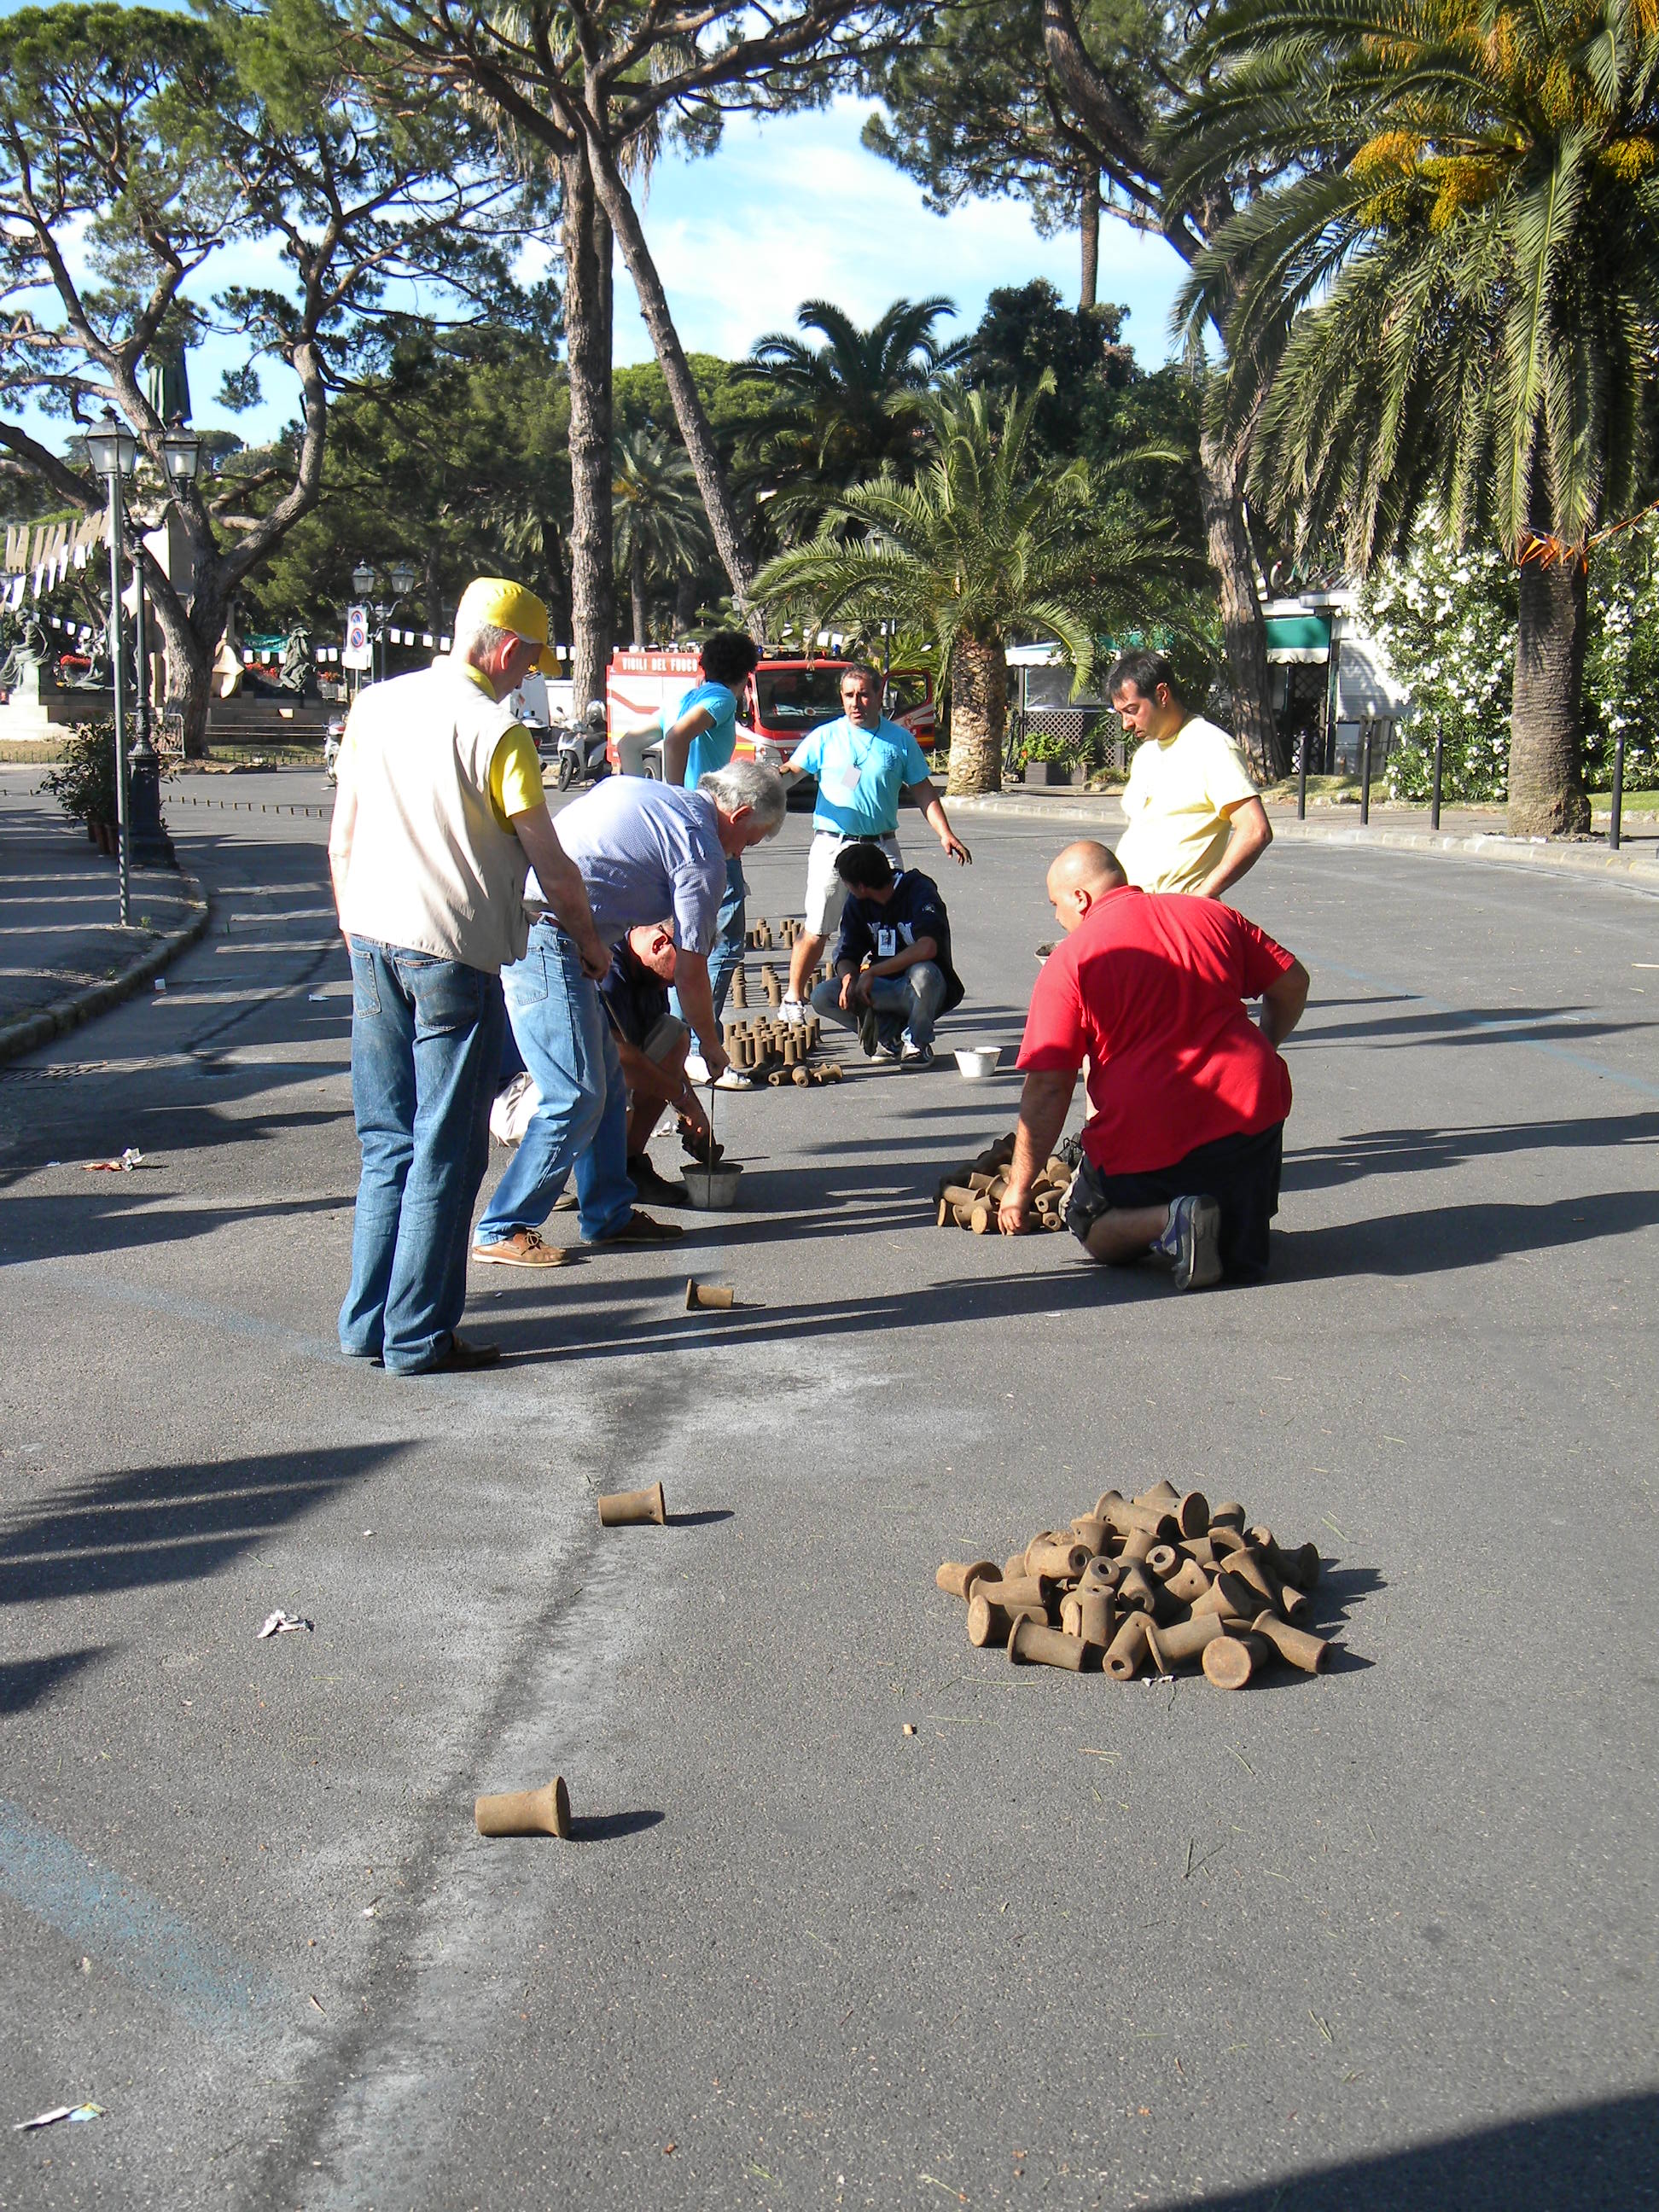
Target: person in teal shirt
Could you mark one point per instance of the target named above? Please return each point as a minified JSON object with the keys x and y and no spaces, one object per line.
{"x":862,"y":762}
{"x":704,"y":735}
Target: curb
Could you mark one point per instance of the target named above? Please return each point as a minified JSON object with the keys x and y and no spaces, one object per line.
{"x":1480,"y":845}
{"x":28,"y":1031}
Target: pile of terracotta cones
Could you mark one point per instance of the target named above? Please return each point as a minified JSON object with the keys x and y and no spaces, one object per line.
{"x":1149,"y":1584}
{"x":780,"y":1051}
{"x":967,"y":1197}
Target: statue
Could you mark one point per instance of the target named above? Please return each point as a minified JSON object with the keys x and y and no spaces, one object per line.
{"x":166,"y":381}
{"x":296,"y":661}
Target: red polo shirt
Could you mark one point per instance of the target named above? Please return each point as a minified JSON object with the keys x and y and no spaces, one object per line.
{"x":1151,"y":989}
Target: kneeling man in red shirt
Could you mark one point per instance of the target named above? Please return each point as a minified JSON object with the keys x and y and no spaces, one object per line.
{"x":1183,"y":1147}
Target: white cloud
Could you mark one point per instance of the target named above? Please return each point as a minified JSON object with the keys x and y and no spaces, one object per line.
{"x":798,"y":209}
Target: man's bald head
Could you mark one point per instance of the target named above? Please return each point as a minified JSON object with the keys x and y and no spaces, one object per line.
{"x":1080,"y":877}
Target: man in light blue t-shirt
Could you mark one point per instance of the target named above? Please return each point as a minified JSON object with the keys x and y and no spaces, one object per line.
{"x":862,"y":763}
{"x":704,"y":735}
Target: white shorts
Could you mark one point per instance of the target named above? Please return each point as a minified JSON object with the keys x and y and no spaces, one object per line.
{"x":826,"y":894}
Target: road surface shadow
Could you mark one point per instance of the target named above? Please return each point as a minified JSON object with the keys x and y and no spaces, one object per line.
{"x":24,"y":1682}
{"x":1588,"y":2157}
{"x":1442,"y":1240}
{"x":168,"y":1523}
{"x":607,"y":1828}
{"x":1413,"y":1151}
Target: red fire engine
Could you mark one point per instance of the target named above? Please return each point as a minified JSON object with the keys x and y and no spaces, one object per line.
{"x":781,"y":702}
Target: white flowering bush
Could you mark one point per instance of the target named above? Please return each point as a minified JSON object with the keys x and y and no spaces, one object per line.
{"x":1445,"y":617}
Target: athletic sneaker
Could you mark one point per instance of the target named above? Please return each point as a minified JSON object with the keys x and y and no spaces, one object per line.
{"x":916,"y":1055}
{"x":793,"y":1011}
{"x":887,"y":1049}
{"x":1192,"y":1238}
{"x":523,"y":1248}
{"x":696,"y":1075}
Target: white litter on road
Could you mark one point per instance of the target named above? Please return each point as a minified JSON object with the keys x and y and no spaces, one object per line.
{"x":58,"y":2112}
{"x":281,"y":1624}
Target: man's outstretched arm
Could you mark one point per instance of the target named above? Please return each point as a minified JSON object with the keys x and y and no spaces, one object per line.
{"x":1282,"y":1003}
{"x":1043,"y":1105}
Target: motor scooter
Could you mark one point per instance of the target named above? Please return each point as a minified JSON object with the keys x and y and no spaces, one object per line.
{"x":580,"y":755}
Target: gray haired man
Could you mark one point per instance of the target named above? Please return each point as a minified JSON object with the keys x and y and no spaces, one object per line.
{"x":643,"y":850}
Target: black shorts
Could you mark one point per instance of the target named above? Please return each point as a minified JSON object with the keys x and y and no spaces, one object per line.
{"x":1240,"y":1173}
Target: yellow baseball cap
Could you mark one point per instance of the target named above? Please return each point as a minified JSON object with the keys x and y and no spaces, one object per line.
{"x":507,"y":606}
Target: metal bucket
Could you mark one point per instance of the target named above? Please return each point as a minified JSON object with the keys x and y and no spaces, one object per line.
{"x":712,"y":1190}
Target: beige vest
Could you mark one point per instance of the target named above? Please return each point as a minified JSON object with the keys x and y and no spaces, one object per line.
{"x":429,"y":865}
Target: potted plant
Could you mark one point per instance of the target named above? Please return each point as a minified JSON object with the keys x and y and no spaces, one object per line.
{"x":1050,"y":760}
{"x":83,"y":782}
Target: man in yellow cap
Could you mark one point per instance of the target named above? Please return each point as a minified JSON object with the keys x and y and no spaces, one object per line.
{"x":439,"y":814}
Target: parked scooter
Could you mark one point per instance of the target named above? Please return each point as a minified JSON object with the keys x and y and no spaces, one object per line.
{"x":580,"y":755}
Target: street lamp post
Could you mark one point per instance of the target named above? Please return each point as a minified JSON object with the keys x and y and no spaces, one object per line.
{"x":113,"y":452}
{"x":181,"y":453}
{"x":401,"y":576}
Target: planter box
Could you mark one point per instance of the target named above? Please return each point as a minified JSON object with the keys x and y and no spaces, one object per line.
{"x":1044,"y":774}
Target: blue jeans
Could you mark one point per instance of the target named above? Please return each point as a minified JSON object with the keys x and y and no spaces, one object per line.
{"x":580,"y":1119}
{"x":426,"y":1044}
{"x":726,"y":957}
{"x":907,"y":1003}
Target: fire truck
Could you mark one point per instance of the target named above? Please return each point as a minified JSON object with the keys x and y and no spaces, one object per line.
{"x":781,"y":703}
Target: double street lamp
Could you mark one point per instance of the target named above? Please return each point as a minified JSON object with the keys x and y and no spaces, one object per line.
{"x":113,"y":452}
{"x":401,"y":577}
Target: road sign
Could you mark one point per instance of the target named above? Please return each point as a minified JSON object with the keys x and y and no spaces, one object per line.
{"x":359,"y":649}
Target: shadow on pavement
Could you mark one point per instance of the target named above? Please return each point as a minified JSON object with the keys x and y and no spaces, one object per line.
{"x":104,"y":1219}
{"x":1439,"y":1240}
{"x":1517,"y":1025}
{"x":168,"y":1524}
{"x":24,"y":1682}
{"x":1592,"y":2158}
{"x":607,"y":1828}
{"x":1409,"y":1151}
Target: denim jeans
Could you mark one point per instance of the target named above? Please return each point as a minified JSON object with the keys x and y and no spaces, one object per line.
{"x":580,"y":1119}
{"x":426,"y":1044}
{"x":906,"y":1003}
{"x":726,"y":957}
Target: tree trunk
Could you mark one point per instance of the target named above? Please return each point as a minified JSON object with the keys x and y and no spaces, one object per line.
{"x":978,"y":715}
{"x":731,"y":539}
{"x":190,"y":663}
{"x":636,"y":591}
{"x":558,"y":611}
{"x":587,"y":240}
{"x":1232,"y":557}
{"x":1089,"y":290}
{"x":1546,"y":721}
{"x":685,"y":607}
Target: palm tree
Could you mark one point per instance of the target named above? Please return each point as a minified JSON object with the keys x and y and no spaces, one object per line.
{"x":1449,"y":307}
{"x":984,"y":545}
{"x":846,"y":408}
{"x":658,"y":519}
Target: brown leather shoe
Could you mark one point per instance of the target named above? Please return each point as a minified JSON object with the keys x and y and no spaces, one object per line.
{"x":463,"y":1357}
{"x":523,"y":1248}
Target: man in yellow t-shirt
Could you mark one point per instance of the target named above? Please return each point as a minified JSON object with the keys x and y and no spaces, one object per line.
{"x":438,"y":814}
{"x":1195,"y":820}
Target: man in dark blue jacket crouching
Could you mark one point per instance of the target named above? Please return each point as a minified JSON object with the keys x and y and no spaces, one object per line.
{"x":893,"y":976}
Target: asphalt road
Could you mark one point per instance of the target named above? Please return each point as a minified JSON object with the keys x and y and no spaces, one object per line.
{"x":1383,"y":1939}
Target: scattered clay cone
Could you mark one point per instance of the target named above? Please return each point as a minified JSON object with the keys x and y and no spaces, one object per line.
{"x":623,"y":1508}
{"x":1097,"y":1623}
{"x":525,"y":1812}
{"x":990,"y":1623}
{"x":1312,"y":1654}
{"x":1188,"y":1583}
{"x":706,"y":1295}
{"x":1231,"y":1661}
{"x":1128,"y":1649}
{"x":1030,"y":1645}
{"x":1193,"y":1511}
{"x":957,"y":1577}
{"x":1059,"y":1556}
{"x":1183,"y":1640}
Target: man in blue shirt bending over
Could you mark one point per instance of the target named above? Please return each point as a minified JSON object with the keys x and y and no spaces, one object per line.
{"x":704,"y":735}
{"x":861,"y":762}
{"x":893,"y":975}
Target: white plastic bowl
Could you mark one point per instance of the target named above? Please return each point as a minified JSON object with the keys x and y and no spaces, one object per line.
{"x":976,"y":1061}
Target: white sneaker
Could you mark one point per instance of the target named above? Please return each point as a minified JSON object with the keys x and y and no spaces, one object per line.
{"x":794,"y":1011}
{"x":696,"y":1075}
